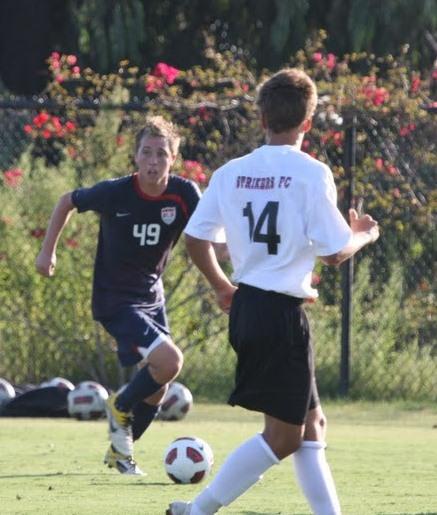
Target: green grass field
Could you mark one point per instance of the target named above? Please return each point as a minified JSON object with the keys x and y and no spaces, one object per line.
{"x":384,"y":459}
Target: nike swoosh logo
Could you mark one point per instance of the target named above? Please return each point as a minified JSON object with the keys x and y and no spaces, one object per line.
{"x":122,"y":214}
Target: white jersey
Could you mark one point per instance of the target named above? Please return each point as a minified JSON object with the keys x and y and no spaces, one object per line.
{"x":278,"y":208}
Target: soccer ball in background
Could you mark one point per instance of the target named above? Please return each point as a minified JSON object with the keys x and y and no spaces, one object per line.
{"x":7,"y":392}
{"x":87,"y":401}
{"x":188,"y":460}
{"x":60,"y":382}
{"x":177,"y":402}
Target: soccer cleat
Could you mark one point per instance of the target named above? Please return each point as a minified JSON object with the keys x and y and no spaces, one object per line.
{"x":124,"y":464}
{"x":120,"y":429}
{"x":179,"y":508}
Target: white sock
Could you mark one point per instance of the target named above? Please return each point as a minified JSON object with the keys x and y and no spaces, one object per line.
{"x":315,"y":478}
{"x":242,"y":469}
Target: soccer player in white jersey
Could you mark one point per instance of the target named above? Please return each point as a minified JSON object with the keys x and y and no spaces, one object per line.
{"x":277,"y":207}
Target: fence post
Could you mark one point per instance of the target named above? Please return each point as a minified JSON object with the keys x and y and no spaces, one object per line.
{"x":347,"y":268}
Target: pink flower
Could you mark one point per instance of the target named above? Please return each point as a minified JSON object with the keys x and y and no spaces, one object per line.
{"x":396,"y":192}
{"x":76,"y":70}
{"x":194,"y":170}
{"x":13,"y":177}
{"x":380,"y":96}
{"x":315,"y":279}
{"x":317,"y":57}
{"x":71,"y":60}
{"x":379,"y":164}
{"x":391,"y":170}
{"x":59,"y":78}
{"x":46,"y":134}
{"x":330,"y":62}
{"x":201,"y":178}
{"x":165,"y":71}
{"x":55,"y":56}
{"x":153,"y":84}
{"x":28,"y":129}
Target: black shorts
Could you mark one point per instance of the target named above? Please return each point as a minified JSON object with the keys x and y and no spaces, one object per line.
{"x":270,"y":334}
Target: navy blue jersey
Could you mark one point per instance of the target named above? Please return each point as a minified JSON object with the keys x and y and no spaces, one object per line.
{"x":137,"y":233}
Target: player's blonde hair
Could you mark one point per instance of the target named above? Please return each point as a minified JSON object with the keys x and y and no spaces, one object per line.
{"x":159,"y":126}
{"x":286,"y":99}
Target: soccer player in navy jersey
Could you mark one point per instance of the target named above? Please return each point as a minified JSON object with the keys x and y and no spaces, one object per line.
{"x":277,"y":206}
{"x":141,"y":218}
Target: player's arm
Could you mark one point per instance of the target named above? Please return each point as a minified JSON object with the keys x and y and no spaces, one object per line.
{"x":364,"y":231}
{"x":46,"y":260}
{"x":204,"y":257}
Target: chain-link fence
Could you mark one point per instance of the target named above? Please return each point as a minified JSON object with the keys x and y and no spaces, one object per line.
{"x":374,"y":323}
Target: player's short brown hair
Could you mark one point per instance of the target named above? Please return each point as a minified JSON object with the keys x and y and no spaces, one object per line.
{"x":159,"y":126}
{"x":286,"y":99}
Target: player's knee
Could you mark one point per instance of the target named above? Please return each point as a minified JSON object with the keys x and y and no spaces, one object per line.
{"x":315,"y":427}
{"x":282,"y":443}
{"x":174,"y":362}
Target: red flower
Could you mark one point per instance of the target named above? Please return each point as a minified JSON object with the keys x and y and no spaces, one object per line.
{"x":70,"y":126}
{"x":13,"y":177}
{"x":39,"y":232}
{"x":415,"y":84}
{"x":40,"y":119}
{"x":72,"y":243}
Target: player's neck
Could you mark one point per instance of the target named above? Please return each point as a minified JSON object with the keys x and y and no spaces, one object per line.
{"x":292,"y":137}
{"x":153,"y":189}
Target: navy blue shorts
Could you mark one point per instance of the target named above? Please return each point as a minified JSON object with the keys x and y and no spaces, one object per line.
{"x":137,"y":332}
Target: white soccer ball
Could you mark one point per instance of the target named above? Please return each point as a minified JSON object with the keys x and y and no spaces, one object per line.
{"x":177,"y":402}
{"x":60,"y":382}
{"x":87,"y":401}
{"x":188,"y":460}
{"x":7,"y":392}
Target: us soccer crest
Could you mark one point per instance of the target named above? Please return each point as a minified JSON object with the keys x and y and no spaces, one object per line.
{"x":168,"y":215}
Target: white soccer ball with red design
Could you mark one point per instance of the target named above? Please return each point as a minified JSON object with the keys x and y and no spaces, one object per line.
{"x":7,"y":392}
{"x":177,"y":402}
{"x":59,"y":382}
{"x":188,"y":460}
{"x":87,"y":401}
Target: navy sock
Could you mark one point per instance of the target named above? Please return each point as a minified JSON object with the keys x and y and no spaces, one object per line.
{"x":143,"y":416}
{"x":142,"y":386}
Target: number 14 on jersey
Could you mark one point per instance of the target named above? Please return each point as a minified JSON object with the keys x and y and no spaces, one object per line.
{"x":267,"y":222}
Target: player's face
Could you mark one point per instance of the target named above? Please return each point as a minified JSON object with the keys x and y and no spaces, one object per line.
{"x":154,"y":159}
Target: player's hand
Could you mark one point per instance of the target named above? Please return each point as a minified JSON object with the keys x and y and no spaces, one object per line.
{"x":224,"y":297}
{"x":364,"y":223}
{"x":45,"y":264}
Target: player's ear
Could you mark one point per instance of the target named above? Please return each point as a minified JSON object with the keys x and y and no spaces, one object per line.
{"x":307,"y":125}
